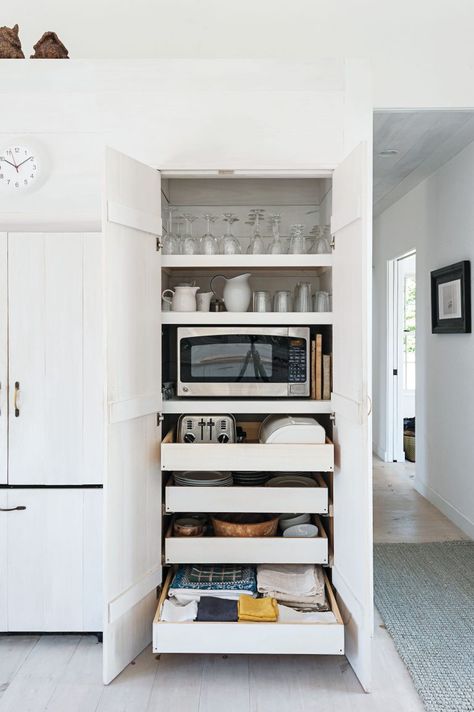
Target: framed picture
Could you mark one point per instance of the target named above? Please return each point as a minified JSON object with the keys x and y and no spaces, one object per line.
{"x":451,"y":299}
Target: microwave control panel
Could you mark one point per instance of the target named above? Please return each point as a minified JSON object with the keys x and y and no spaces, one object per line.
{"x":297,"y":366}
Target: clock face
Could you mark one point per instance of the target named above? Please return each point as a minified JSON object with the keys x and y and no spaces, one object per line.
{"x":19,"y":168}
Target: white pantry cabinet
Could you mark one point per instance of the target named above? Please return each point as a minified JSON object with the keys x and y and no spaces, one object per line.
{"x":50,"y":559}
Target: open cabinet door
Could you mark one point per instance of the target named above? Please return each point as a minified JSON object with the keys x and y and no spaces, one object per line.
{"x":352,"y":572}
{"x":132,"y":484}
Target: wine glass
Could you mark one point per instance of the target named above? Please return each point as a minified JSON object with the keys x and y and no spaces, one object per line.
{"x":170,"y":240}
{"x":229,"y":243}
{"x":297,"y":240}
{"x":190,"y":245}
{"x":257,"y":245}
{"x":208,"y":243}
{"x":276,"y":245}
{"x":323,"y":244}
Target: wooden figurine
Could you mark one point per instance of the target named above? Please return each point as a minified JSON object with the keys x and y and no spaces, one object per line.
{"x":49,"y":47}
{"x":10,"y":45}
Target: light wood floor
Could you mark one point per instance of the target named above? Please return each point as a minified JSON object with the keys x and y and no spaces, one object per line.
{"x":63,"y":673}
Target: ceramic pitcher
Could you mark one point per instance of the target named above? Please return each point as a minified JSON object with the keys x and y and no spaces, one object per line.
{"x":237,"y":293}
{"x":183,"y":299}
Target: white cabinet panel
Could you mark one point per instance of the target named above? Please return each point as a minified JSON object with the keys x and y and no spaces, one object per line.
{"x":3,"y":560}
{"x":3,"y":359}
{"x":55,"y":359}
{"x":53,"y":560}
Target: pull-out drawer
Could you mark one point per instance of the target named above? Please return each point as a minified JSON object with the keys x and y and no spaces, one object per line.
{"x":248,"y":638}
{"x":247,"y":550}
{"x":313,"y":500}
{"x":250,"y":455}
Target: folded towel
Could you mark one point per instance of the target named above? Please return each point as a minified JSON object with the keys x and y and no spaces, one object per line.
{"x":300,"y":586}
{"x":216,"y":578}
{"x":290,"y":615}
{"x":258,"y":609}
{"x":174,"y":613}
{"x":215,"y":609}
{"x":183,"y":595}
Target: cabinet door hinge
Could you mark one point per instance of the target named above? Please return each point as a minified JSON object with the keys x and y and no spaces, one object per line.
{"x":333,"y":242}
{"x":332,"y":418}
{"x":159,"y":244}
{"x":159,"y":419}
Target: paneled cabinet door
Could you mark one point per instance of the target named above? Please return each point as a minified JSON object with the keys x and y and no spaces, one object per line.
{"x":52,"y":566}
{"x":55,"y":359}
{"x":3,"y":359}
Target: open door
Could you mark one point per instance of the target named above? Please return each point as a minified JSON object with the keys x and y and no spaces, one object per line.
{"x":132,"y":484}
{"x":352,"y":573}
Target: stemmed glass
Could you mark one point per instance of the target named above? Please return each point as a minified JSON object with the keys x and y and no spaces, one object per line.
{"x":276,"y":245}
{"x":297,"y":240}
{"x":208,"y":243}
{"x":229,"y":243}
{"x":190,"y":245}
{"x":257,"y":245}
{"x":170,"y":240}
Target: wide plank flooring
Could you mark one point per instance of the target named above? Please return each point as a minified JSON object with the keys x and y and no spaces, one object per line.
{"x":63,"y":673}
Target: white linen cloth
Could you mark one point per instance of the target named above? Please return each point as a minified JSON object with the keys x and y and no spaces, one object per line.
{"x":299,"y":585}
{"x":290,"y":615}
{"x":185,"y":595}
{"x":173,"y":612}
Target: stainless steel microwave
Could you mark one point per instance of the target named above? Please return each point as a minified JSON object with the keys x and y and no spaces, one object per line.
{"x":244,"y":361}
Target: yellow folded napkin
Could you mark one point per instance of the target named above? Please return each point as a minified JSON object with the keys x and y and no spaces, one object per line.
{"x":260,"y":610}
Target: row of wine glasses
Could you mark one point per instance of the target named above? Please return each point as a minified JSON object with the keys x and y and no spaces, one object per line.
{"x":176,"y":242}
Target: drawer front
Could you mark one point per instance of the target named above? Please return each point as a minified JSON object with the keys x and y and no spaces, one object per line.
{"x":252,"y":456}
{"x":313,"y":500}
{"x":250,"y":550}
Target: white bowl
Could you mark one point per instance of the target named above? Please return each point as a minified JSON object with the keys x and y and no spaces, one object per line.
{"x":306,"y":531}
{"x":290,"y":520}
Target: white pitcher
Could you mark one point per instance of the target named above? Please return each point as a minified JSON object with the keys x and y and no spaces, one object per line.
{"x":183,"y":299}
{"x":237,"y":293}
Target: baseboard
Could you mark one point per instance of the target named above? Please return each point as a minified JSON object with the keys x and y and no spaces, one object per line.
{"x":457,"y":517}
{"x":380,"y":452}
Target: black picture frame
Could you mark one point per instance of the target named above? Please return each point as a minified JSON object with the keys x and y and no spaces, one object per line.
{"x":451,"y":294}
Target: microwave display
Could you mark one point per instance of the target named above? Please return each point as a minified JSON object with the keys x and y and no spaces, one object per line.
{"x":271,"y":360}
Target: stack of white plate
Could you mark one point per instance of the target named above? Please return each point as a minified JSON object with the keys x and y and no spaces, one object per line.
{"x":249,"y":479}
{"x":203,"y":479}
{"x":291,"y":481}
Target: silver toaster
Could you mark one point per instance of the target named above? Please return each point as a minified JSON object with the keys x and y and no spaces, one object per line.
{"x":206,"y":429}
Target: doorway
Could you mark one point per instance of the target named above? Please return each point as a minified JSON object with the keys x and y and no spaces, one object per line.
{"x":401,"y":357}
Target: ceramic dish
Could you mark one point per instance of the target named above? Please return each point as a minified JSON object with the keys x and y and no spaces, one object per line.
{"x":291,"y":520}
{"x":187,"y":527}
{"x":305,"y":531}
{"x":291,"y":481}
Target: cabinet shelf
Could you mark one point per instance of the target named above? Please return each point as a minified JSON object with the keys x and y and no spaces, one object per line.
{"x":244,"y":405}
{"x":219,"y":318}
{"x":273,"y":262}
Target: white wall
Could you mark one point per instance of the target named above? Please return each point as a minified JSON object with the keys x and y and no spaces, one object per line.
{"x":421,"y":52}
{"x":437,"y":219}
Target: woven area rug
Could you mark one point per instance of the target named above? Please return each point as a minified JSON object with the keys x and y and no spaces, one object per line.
{"x":425,"y":595}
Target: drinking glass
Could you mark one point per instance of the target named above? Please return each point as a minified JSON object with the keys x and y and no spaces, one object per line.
{"x":208,"y":243}
{"x":261,"y":301}
{"x":321,"y":302}
{"x":276,"y":245}
{"x":190,"y":245}
{"x":297,"y":240}
{"x":257,"y":245}
{"x":229,"y":244}
{"x":323,"y":243}
{"x":303,"y":297}
{"x":170,"y":240}
{"x":282,"y":301}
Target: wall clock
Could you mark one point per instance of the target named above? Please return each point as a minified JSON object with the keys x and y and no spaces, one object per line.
{"x":19,"y":167}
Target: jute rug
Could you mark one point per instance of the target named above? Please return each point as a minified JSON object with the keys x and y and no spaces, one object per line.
{"x":425,"y":595}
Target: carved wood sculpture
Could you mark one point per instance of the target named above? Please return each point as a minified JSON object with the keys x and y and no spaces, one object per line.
{"x":10,"y":45}
{"x":49,"y":47}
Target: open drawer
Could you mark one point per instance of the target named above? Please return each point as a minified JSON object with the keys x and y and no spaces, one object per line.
{"x":247,"y":550}
{"x":247,"y":638}
{"x":313,"y":500}
{"x":250,"y":455}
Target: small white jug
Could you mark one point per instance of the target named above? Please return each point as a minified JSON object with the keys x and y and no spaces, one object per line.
{"x":183,"y":300}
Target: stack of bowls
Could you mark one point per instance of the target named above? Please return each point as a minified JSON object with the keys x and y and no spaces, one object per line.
{"x":203,"y":479}
{"x":291,"y":480}
{"x":250,"y":478}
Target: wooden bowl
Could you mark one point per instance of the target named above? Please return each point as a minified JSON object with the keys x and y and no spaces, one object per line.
{"x":245,"y":525}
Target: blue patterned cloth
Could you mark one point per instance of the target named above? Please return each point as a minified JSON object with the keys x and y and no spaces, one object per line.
{"x":215,"y":578}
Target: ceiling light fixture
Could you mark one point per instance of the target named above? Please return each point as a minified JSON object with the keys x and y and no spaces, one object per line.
{"x":387,"y":152}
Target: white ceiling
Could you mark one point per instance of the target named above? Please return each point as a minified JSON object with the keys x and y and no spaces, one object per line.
{"x":425,"y":140}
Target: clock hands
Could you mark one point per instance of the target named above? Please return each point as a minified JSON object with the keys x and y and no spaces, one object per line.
{"x":10,"y":163}
{"x":25,"y":161}
{"x":15,"y":165}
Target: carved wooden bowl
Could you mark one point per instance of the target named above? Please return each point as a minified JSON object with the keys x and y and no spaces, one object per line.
{"x":245,"y":525}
